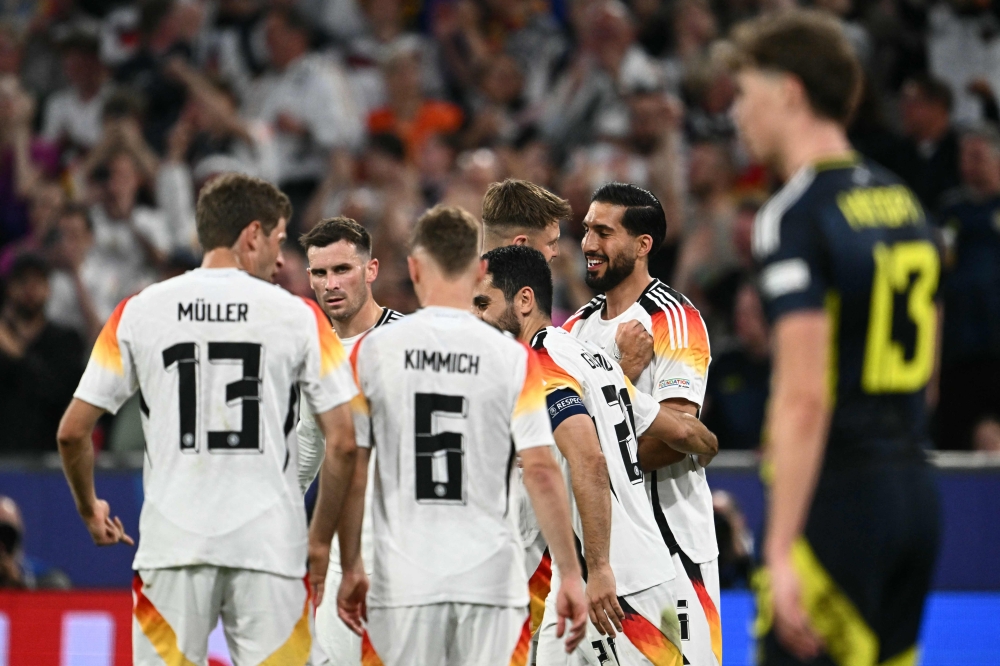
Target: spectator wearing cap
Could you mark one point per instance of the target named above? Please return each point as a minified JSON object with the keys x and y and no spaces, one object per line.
{"x":931,"y":164}
{"x":306,"y":100}
{"x":971,"y":288}
{"x":72,"y":116}
{"x":40,"y":362}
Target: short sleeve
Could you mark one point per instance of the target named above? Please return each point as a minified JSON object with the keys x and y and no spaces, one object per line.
{"x":562,"y":404}
{"x":529,"y":424}
{"x":788,"y":252}
{"x":110,"y":378}
{"x":681,"y":353}
{"x":325,"y":376}
{"x":644,"y":408}
{"x":360,"y":408}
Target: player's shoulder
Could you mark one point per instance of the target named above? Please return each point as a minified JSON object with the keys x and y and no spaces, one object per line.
{"x":593,"y":307}
{"x":388,"y":316}
{"x":675,"y":322}
{"x":661,"y":297}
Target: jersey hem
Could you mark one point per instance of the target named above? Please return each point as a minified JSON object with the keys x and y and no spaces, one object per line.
{"x":97,"y":401}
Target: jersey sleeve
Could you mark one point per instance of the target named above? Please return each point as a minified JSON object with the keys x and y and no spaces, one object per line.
{"x":562,"y":404}
{"x":529,"y":424}
{"x":110,"y":378}
{"x":789,"y":256}
{"x":312,"y":448}
{"x":360,"y":407}
{"x":325,"y":376}
{"x":681,"y":353}
{"x":644,"y":408}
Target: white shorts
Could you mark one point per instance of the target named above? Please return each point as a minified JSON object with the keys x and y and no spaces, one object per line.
{"x":650,"y":634}
{"x":449,"y":635}
{"x":267,"y":618}
{"x":696,"y":589}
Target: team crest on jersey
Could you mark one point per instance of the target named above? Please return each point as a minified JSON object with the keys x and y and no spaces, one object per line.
{"x":676,"y":382}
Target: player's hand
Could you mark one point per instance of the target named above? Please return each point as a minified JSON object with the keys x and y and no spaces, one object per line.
{"x":105,"y":530}
{"x":319,"y":561}
{"x":791,"y":624}
{"x":351,"y":607}
{"x":605,"y":612}
{"x":571,"y":605}
{"x":635,"y":347}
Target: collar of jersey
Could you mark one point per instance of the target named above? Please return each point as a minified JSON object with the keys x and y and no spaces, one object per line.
{"x":851,"y":159}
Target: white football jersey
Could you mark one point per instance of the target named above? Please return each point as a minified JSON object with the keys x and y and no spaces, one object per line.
{"x":639,"y":557}
{"x":220,"y":359}
{"x":448,"y":401}
{"x":679,"y":369}
{"x":312,"y":449}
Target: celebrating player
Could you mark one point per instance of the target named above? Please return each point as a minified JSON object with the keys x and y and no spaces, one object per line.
{"x":341,"y":271}
{"x":634,"y":317}
{"x":592,"y":405}
{"x":219,"y":357}
{"x":449,"y":401}
{"x":849,"y":275}
{"x":517,"y":212}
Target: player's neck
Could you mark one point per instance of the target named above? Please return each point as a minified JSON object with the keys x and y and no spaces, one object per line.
{"x":365,"y":319}
{"x":221,"y":257}
{"x":620,"y":298}
{"x":531,"y":325}
{"x":445,"y":294}
{"x":816,"y":140}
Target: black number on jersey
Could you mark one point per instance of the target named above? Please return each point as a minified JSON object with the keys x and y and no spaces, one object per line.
{"x":246,"y":391}
{"x":625,"y":431}
{"x":440,"y":457}
{"x":602,"y":655}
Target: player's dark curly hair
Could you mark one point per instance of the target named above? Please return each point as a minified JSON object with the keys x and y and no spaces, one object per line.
{"x":514,"y":267}
{"x":643,"y":212}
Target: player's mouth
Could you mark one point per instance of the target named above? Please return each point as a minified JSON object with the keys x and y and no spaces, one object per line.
{"x":334,"y":301}
{"x":595,"y":262}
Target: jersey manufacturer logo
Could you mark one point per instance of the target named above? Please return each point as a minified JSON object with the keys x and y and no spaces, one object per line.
{"x":676,"y":382}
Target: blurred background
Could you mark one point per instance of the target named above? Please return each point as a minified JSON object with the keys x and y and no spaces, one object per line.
{"x":114,"y":114}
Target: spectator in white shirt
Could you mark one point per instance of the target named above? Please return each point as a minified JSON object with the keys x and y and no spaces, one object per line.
{"x":76,"y":280}
{"x":73,"y":116}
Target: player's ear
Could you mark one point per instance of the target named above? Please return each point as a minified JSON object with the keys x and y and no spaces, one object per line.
{"x":526,"y":300}
{"x":414,"y":265}
{"x":372,"y":270}
{"x":645,"y":245}
{"x":520,"y":239}
{"x":250,"y":237}
{"x":481,"y":273}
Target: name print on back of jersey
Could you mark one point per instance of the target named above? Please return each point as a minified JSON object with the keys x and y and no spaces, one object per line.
{"x":461,"y":363}
{"x":214,"y":312}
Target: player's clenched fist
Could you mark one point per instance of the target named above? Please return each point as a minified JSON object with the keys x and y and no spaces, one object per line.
{"x":635,"y":348}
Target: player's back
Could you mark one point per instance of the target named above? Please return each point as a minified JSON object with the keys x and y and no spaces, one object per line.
{"x":639,"y":558}
{"x":445,"y":393}
{"x":218,"y":357}
{"x":852,"y":238}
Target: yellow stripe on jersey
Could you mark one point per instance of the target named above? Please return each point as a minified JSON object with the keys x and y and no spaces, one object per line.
{"x":359,"y":403}
{"x":106,"y":352}
{"x":686,"y":342}
{"x":532,"y":396}
{"x":553,"y":375}
{"x":331,"y":352}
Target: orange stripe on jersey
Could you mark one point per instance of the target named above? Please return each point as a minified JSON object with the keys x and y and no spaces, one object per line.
{"x":155,"y":627}
{"x":520,"y":654}
{"x":359,"y":403}
{"x":331,"y":352}
{"x":571,"y":322}
{"x":296,"y":650}
{"x":553,"y":375}
{"x":678,"y":339}
{"x":369,"y":657}
{"x":538,"y":589}
{"x":532,"y":395}
{"x":712,"y":615}
{"x":106,"y":350}
{"x":648,"y":639}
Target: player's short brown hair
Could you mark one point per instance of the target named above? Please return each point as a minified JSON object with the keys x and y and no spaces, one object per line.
{"x":520,"y":203}
{"x":335,"y":229}
{"x":231,"y":202}
{"x":810,"y":46}
{"x":450,"y":235}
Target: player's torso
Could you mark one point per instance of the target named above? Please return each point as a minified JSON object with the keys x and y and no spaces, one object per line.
{"x":217,"y":354}
{"x":441,"y":390}
{"x":638,"y":555}
{"x":882,"y":270}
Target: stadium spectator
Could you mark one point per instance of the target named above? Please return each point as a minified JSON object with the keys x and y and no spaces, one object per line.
{"x":17,"y":569}
{"x":40,"y":362}
{"x":740,"y":380}
{"x":736,"y":545}
{"x":76,"y":278}
{"x":930,"y":166}
{"x":971,"y":290}
{"x":47,"y":197}
{"x":72,"y":116}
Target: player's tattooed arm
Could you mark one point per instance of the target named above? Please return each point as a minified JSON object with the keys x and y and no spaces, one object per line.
{"x":77,"y":453}
{"x":577,"y":439}
{"x":354,"y":583}
{"x":634,"y":349}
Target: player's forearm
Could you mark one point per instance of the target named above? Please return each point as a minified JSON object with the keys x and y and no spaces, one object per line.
{"x":311,"y":450}
{"x":683,"y":432}
{"x":335,"y":473}
{"x":797,"y":440}
{"x":352,"y":516}
{"x":544,"y":483}
{"x":655,"y":454}
{"x":77,"y":454}
{"x":589,"y":476}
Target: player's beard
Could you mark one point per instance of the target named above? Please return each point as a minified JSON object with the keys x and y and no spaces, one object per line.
{"x":508,"y":322}
{"x":616,"y":269}
{"x":351,"y":306}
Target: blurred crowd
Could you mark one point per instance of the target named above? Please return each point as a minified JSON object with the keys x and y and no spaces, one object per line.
{"x":114,"y":114}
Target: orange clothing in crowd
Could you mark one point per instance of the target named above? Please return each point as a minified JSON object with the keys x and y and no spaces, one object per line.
{"x":434,"y":117}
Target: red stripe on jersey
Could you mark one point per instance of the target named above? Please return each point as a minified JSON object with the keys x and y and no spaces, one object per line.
{"x":331,"y":352}
{"x":106,"y":350}
{"x":369,"y":657}
{"x":648,"y":639}
{"x":554,"y":376}
{"x":520,"y":654}
{"x":672,"y":342}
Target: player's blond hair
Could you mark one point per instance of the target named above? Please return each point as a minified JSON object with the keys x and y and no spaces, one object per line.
{"x":450,"y":235}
